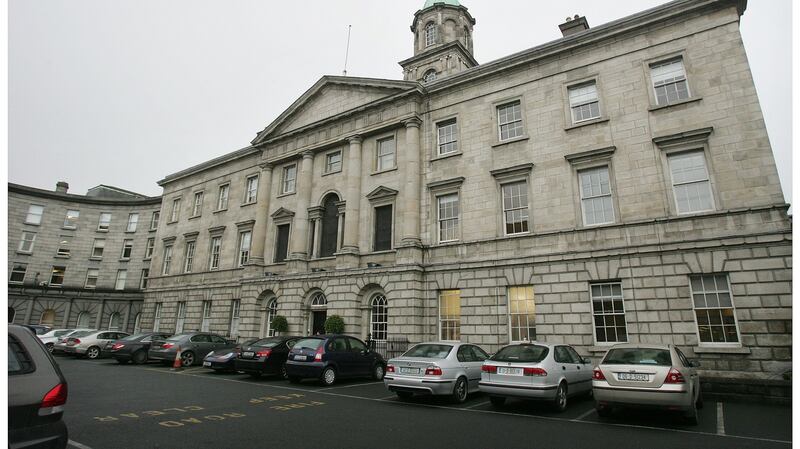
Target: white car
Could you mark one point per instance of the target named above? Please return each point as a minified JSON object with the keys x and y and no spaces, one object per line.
{"x":92,"y":345}
{"x":50,"y":338}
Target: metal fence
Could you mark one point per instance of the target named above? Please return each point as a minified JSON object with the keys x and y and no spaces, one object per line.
{"x":389,"y":348}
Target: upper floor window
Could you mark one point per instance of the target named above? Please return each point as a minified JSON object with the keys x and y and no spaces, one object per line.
{"x":63,"y":245}
{"x":197,"y":204}
{"x":143,"y":279}
{"x":583,"y":102}
{"x":167,"y":259}
{"x":448,"y":210}
{"x":98,"y":248}
{"x":71,"y":219}
{"x":148,"y":249}
{"x":385,"y":156}
{"x":282,"y":243}
{"x":175,"y":213}
{"x":251,"y":189}
{"x":91,"y":278}
{"x":430,"y":34}
{"x":447,"y":137}
{"x":127,"y":249}
{"x":122,"y":276}
{"x":509,"y":120}
{"x":244,"y":247}
{"x":216,"y":246}
{"x":690,"y":182}
{"x":713,"y":308}
{"x":57,"y":276}
{"x":18,"y":273}
{"x":154,"y":220}
{"x":133,"y":221}
{"x":596,"y":196}
{"x":35,"y":213}
{"x":222,"y":197}
{"x":26,"y":242}
{"x":289,"y":179}
{"x":105,"y":221}
{"x":383,"y":228}
{"x":515,"y":207}
{"x":429,"y":76}
{"x":669,"y":81}
{"x":189,"y":259}
{"x":333,"y":162}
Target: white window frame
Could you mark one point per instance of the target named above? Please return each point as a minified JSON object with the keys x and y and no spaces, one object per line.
{"x":127,"y":244}
{"x":429,"y":76}
{"x":717,"y":291}
{"x":14,"y":270}
{"x":519,"y":131}
{"x":205,"y":320}
{"x":381,"y":159}
{"x":430,"y":34}
{"x":122,"y":278}
{"x":143,"y":280}
{"x":236,"y":310}
{"x":579,"y":97}
{"x":447,"y":137}
{"x":245,"y":243}
{"x":133,"y":222}
{"x":604,"y":313}
{"x":63,"y":275}
{"x":191,"y":246}
{"x":509,"y":208}
{"x":197,"y":204}
{"x":91,"y":274}
{"x":33,"y":217}
{"x":175,"y":212}
{"x":102,"y":224}
{"x":222,"y":196}
{"x":674,"y":81}
{"x":593,"y":198}
{"x":157,"y":318}
{"x":529,"y":314}
{"x":671,"y":158}
{"x":64,"y":242}
{"x":149,"y":248}
{"x":289,"y":183}
{"x":251,"y":189}
{"x":180,"y":317}
{"x":455,"y":219}
{"x":454,"y":323}
{"x":378,"y":317}
{"x":71,"y":219}
{"x":154,"y":220}
{"x":111,"y":319}
{"x":272,"y":312}
{"x":215,"y":252}
{"x":98,"y":244}
{"x":23,"y":242}
{"x":331,"y":166}
{"x":167,"y":260}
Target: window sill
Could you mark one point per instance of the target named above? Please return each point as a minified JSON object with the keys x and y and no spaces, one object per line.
{"x":26,"y":253}
{"x":383,"y":171}
{"x":721,"y":350}
{"x":593,"y":121}
{"x":446,"y":156}
{"x":147,"y":259}
{"x":506,"y":142}
{"x":95,"y":258}
{"x":219,"y":210}
{"x":332,"y":172}
{"x":449,"y":243}
{"x":516,"y":234}
{"x":153,"y":230}
{"x":247,"y":204}
{"x":384,"y":251}
{"x":130,"y":232}
{"x":193,"y":217}
{"x":285,"y":194}
{"x":677,"y":103}
{"x":32,"y":224}
{"x":61,"y":256}
{"x":103,"y":230}
{"x":69,"y":228}
{"x":125,"y":260}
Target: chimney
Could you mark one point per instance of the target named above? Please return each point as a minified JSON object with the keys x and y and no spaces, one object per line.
{"x":574,"y":25}
{"x":62,"y":187}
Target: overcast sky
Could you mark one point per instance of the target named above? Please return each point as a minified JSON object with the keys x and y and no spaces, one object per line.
{"x":126,"y":92}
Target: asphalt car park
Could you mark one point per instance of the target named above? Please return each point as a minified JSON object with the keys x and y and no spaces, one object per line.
{"x":152,"y":406}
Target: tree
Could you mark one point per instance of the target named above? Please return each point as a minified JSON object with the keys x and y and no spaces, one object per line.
{"x":334,"y":325}
{"x":279,"y":324}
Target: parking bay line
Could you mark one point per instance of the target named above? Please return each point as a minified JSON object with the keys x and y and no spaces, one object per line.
{"x":78,"y":445}
{"x":347,"y":386}
{"x":476,"y":405}
{"x":588,"y":412}
{"x":720,"y":420}
{"x":494,"y":412}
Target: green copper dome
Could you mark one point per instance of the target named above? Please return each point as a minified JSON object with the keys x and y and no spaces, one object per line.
{"x":429,"y":3}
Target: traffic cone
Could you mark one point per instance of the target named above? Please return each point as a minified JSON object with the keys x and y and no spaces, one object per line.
{"x":178,"y":363}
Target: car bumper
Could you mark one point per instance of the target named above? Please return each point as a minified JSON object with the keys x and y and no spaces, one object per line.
{"x":418,"y":385}
{"x":74,"y":350}
{"x":541,"y":392}
{"x":252,"y":366}
{"x":218,"y":364}
{"x":52,"y":435}
{"x":304,"y":370}
{"x":671,"y":397}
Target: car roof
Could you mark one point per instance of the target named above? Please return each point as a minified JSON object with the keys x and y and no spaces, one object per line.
{"x":642,"y":346}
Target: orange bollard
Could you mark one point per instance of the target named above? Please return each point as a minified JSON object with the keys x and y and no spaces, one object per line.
{"x":178,"y":363}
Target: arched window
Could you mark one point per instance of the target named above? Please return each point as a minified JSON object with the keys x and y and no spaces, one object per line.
{"x":48,"y":317}
{"x":330,"y":226}
{"x":137,"y":323}
{"x":11,"y":314}
{"x":430,"y":34}
{"x":379,"y":317}
{"x":83,"y":320}
{"x":319,"y":301}
{"x":430,"y":75}
{"x":114,"y":321}
{"x":272,"y":310}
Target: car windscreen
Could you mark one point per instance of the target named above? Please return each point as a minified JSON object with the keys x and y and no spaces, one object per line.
{"x":522,"y":354}
{"x":268,"y":342}
{"x":309,"y":343}
{"x":638,"y":356}
{"x":134,"y":337}
{"x":178,"y":337}
{"x":82,"y":334}
{"x":429,"y":351}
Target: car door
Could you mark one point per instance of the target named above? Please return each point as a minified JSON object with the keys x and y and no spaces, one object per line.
{"x":337,"y":350}
{"x":566,"y":366}
{"x":218,"y":342}
{"x":689,"y":370}
{"x":478,"y":357}
{"x":362,"y":360}
{"x":201,"y":344}
{"x":583,"y":371}
{"x":103,"y":338}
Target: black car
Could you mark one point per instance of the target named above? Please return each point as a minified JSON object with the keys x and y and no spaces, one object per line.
{"x":332,"y":357}
{"x":37,"y":393}
{"x":265,"y":356}
{"x":133,"y":347}
{"x":223,"y":359}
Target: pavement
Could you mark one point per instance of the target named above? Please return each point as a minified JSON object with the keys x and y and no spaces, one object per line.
{"x":150,"y":406}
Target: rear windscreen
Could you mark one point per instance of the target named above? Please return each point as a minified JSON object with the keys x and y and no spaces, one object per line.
{"x":81,"y":334}
{"x":177,"y":337}
{"x":638,"y":356}
{"x":19,"y":362}
{"x":429,"y":351}
{"x":62,"y":332}
{"x":268,"y":342}
{"x":521,"y":353}
{"x":309,"y":343}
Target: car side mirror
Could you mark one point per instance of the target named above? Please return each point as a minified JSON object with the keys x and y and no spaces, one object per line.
{"x":585,"y":361}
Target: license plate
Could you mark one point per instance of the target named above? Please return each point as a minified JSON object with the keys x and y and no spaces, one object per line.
{"x":406,"y":370}
{"x":299,"y":357}
{"x":248,"y":354}
{"x":633,"y":377}
{"x":509,"y":371}
{"x":206,"y":363}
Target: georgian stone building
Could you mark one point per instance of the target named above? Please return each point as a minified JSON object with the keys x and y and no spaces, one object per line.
{"x":613,"y":185}
{"x":79,"y":260}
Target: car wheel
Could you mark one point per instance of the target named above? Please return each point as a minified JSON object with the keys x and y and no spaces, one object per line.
{"x":328,"y":376}
{"x":497,"y":400}
{"x":560,"y":402}
{"x":283,"y":373}
{"x":93,"y":352}
{"x":378,"y":372}
{"x":404,"y":395}
{"x":49,"y":347}
{"x":603,"y":411}
{"x":691,"y":415}
{"x":139,"y":357}
{"x":294,"y":379}
{"x":460,"y":391}
{"x":187,"y":358}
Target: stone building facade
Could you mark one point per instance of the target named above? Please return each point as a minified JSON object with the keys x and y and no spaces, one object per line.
{"x":613,"y":185}
{"x":79,"y":260}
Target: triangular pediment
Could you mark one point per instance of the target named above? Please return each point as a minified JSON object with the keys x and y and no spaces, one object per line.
{"x":381,"y":192}
{"x":331,"y":96}
{"x":282,"y":213}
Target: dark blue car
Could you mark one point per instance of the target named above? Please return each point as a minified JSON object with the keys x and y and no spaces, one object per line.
{"x":332,"y":357}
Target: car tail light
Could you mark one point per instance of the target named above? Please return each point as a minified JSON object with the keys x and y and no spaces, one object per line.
{"x":534,"y":372}
{"x":318,"y":354}
{"x":389,"y":368}
{"x":76,"y":341}
{"x":489,"y":369}
{"x":674,"y":377}
{"x":433,"y":370}
{"x":167,"y":345}
{"x":264,"y":353}
{"x":598,"y":375}
{"x":117,"y":346}
{"x":54,"y":400}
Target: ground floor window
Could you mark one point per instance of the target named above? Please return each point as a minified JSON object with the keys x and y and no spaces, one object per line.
{"x":450,"y":315}
{"x":235,"y":309}
{"x":608,"y":312}
{"x":272,"y":311}
{"x":713,"y":308}
{"x":157,"y":318}
{"x":379,"y":318}
{"x":205,"y":324}
{"x":48,"y":317}
{"x":522,"y":313}
{"x":180,"y":317}
{"x":137,"y":323}
{"x":114,"y":322}
{"x":11,"y":314}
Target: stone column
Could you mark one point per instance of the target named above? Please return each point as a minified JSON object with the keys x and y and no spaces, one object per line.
{"x":341,"y":207}
{"x":299,"y":245}
{"x":315,"y":217}
{"x":411,"y":187}
{"x":258,"y":254}
{"x":353,"y":197}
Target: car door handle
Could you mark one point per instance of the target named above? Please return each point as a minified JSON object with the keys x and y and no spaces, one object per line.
{"x":579,"y":367}
{"x":563,"y":367}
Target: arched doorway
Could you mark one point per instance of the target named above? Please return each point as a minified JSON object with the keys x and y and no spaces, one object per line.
{"x":113,"y":321}
{"x":48,"y":317}
{"x":319,"y":313}
{"x":83,"y":320}
{"x":270,"y":312}
{"x":330,"y":226}
{"x":379,"y":318}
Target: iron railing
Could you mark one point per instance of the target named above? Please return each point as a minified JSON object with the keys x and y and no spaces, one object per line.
{"x":389,"y":348}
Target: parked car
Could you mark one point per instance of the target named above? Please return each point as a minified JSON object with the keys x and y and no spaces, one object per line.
{"x":60,"y":345}
{"x":647,"y":375}
{"x":50,"y":338}
{"x":91,"y":345}
{"x":542,"y":371}
{"x":38,"y":329}
{"x":37,"y":393}
{"x":438,"y":368}
{"x":265,"y":356}
{"x":223,"y":359}
{"x":333,"y":357}
{"x":194,"y":346}
{"x":133,"y":347}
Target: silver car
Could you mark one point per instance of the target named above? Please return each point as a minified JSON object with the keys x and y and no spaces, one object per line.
{"x":647,"y":375}
{"x":543,"y":371}
{"x":438,"y":368}
{"x":50,"y":338}
{"x":61,"y":342}
{"x":91,"y":345}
